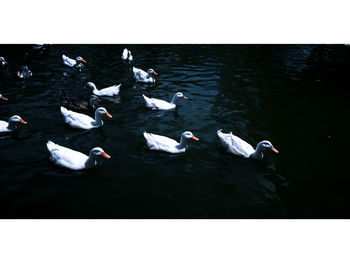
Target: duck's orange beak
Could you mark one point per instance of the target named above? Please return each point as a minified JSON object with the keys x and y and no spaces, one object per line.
{"x":84,"y":60}
{"x":155,"y":73}
{"x":18,"y":73}
{"x":273,"y":149}
{"x":105,"y":155}
{"x":84,"y":87}
{"x":185,"y":97}
{"x":22,"y":121}
{"x":195,"y":138}
{"x":108,"y":115}
{"x":4,"y":98}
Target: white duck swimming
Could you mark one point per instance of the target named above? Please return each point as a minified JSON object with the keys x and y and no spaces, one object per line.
{"x":12,"y":124}
{"x":2,"y":97}
{"x":145,"y":77}
{"x":126,"y":55}
{"x":236,"y":145}
{"x":110,"y":91}
{"x":82,"y":121}
{"x":73,"y":63}
{"x":74,"y":160}
{"x":165,"y":144}
{"x":156,"y":104}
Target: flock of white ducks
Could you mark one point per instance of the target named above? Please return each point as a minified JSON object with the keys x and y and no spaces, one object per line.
{"x":75,"y":160}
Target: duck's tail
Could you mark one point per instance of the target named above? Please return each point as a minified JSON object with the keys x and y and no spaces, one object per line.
{"x":64,"y":111}
{"x":50,"y":145}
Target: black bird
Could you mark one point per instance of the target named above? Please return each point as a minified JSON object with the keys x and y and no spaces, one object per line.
{"x":80,"y":105}
{"x":24,"y":72}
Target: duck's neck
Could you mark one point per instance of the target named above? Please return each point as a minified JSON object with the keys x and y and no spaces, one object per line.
{"x":258,"y":154}
{"x":173,"y":101}
{"x":150,"y":76}
{"x":183,"y":143}
{"x":91,"y":161}
{"x":98,"y":119}
{"x":12,"y":125}
{"x":94,"y":88}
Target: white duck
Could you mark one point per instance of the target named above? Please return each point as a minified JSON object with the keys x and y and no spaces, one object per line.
{"x":145,"y":77}
{"x":126,"y":55}
{"x":74,"y":160}
{"x":156,"y":104}
{"x":73,"y":63}
{"x":236,"y":145}
{"x":165,"y":144}
{"x":12,"y":124}
{"x":82,"y":121}
{"x":110,"y":91}
{"x":2,"y":97}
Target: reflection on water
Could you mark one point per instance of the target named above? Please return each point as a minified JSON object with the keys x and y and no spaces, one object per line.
{"x":296,"y":96}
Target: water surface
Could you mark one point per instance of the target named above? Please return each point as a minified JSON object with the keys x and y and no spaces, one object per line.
{"x":296,"y":96}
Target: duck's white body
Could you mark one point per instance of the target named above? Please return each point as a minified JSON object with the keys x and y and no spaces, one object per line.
{"x":237,"y":146}
{"x":82,"y":121}
{"x":126,"y":55}
{"x":66,"y":157}
{"x":69,"y":61}
{"x":109,"y":92}
{"x":143,"y":76}
{"x":156,"y":104}
{"x":4,"y":127}
{"x":71,"y":159}
{"x":165,"y":144}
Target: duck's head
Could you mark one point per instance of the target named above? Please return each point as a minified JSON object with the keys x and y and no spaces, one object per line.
{"x":151,"y":72}
{"x":17,"y":119}
{"x":97,"y":151}
{"x":180,"y":95}
{"x":129,"y":54}
{"x":2,"y":97}
{"x":3,"y":61}
{"x":79,"y":59}
{"x":188,"y":135}
{"x":103,"y":111}
{"x":90,"y":85}
{"x":267,"y":145}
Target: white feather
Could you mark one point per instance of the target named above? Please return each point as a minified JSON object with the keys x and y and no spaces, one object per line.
{"x":156,"y":104}
{"x":66,"y":157}
{"x":68,"y":61}
{"x":235,"y":144}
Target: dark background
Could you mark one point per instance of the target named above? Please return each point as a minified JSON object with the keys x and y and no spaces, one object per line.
{"x":296,"y":96}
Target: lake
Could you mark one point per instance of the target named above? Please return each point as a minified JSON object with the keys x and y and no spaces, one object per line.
{"x":296,"y":96}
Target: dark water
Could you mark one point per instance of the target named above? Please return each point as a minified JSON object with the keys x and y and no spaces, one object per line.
{"x":296,"y":96}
